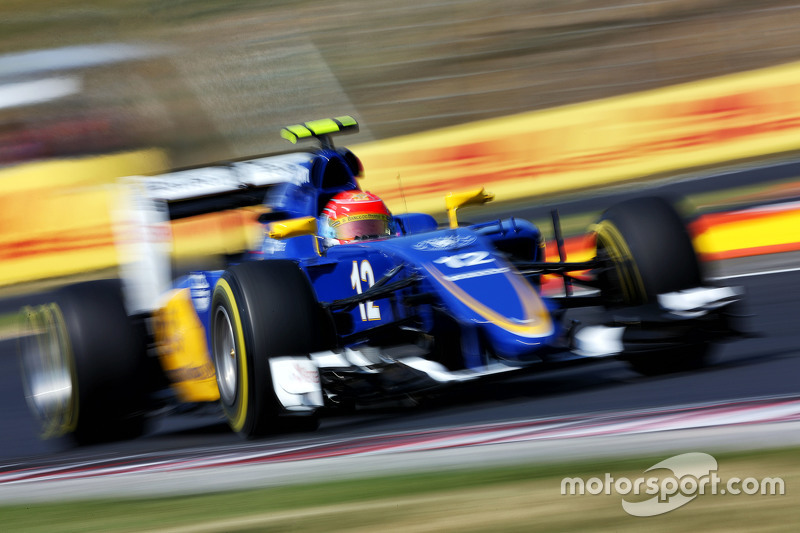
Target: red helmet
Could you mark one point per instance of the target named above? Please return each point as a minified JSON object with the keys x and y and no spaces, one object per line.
{"x":353,"y":215}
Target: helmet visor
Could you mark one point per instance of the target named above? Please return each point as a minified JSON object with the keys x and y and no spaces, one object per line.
{"x":361,"y":227}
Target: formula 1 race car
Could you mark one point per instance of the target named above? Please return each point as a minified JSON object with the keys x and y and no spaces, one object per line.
{"x":301,"y":324}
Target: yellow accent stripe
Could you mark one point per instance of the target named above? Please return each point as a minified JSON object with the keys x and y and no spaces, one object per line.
{"x":536,"y":321}
{"x":237,"y":423}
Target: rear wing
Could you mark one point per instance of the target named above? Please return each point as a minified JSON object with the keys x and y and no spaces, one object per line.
{"x":146,"y":205}
{"x":244,"y":183}
{"x":320,"y":129}
{"x":233,"y":185}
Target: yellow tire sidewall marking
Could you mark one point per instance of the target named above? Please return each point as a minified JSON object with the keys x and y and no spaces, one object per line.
{"x":630,"y":279}
{"x":70,"y":421}
{"x":34,"y":323}
{"x":46,"y":323}
{"x":239,"y":418}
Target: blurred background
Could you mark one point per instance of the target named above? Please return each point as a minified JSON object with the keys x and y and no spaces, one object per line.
{"x":210,"y":80}
{"x":175,"y":83}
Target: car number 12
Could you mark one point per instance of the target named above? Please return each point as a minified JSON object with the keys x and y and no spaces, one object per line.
{"x":369,"y":311}
{"x":465,"y":260}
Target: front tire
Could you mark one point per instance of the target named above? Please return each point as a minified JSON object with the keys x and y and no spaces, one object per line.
{"x":260,"y":310}
{"x":648,"y":251}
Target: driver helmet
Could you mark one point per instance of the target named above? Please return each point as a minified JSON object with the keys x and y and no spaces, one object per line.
{"x":354,"y":215}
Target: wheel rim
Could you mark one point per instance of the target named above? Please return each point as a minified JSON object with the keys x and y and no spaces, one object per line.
{"x":225,"y":356}
{"x":47,"y":373}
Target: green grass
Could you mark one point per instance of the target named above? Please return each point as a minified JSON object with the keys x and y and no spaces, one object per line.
{"x":475,"y":500}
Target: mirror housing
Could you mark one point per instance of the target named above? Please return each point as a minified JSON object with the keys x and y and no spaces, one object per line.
{"x":455,"y":200}
{"x":293,"y":227}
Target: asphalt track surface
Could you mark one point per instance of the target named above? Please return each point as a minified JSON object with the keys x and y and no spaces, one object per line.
{"x":764,"y":366}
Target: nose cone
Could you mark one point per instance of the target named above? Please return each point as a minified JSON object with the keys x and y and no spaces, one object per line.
{"x":498,"y":299}
{"x":480,"y":288}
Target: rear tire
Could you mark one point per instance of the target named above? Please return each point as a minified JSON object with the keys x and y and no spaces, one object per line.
{"x":259,"y":310}
{"x":83,"y":362}
{"x":649,"y":252}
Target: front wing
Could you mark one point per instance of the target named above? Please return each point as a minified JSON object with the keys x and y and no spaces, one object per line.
{"x":372,"y":374}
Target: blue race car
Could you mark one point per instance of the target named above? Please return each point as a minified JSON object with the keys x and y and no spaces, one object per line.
{"x":344,"y":304}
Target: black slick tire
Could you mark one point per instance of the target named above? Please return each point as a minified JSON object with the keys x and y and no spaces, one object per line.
{"x":84,"y":364}
{"x":648,"y":251}
{"x":259,"y":310}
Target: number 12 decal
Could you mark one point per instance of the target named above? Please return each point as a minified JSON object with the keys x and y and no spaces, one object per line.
{"x":465,"y":260}
{"x":369,"y":311}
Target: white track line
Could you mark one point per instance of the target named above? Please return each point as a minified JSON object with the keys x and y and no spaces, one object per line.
{"x":760,"y":273}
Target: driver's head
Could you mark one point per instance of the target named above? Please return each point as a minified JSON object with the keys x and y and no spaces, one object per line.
{"x":355,"y":215}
